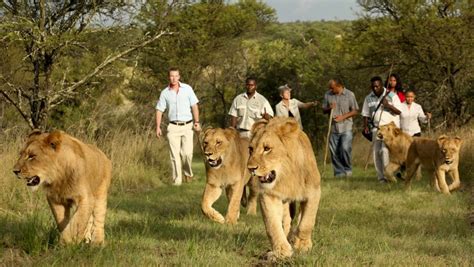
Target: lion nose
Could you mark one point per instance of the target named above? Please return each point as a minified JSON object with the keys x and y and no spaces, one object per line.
{"x":208,"y":153}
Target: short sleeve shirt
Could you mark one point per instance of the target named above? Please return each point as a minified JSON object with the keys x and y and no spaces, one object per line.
{"x":178,"y":103}
{"x":282,"y":110}
{"x":382,"y":115}
{"x":249,"y":110}
{"x":345,"y":102}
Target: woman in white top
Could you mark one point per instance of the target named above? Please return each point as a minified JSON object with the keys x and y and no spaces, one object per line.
{"x":290,"y":107}
{"x":411,"y":114}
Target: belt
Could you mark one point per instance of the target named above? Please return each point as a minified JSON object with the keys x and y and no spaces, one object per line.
{"x":180,"y":123}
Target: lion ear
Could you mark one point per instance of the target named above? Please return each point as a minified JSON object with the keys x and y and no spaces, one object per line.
{"x":258,"y":125}
{"x":54,"y":139}
{"x":35,"y":132}
{"x":392,"y":124}
{"x":397,"y":131}
{"x":441,"y":139}
{"x":458,"y":141}
{"x":230,"y":133}
{"x":287,"y":127}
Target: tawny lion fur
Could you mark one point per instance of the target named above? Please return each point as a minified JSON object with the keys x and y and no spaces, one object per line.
{"x":282,"y":158}
{"x":398,"y":143}
{"x":439,"y":156}
{"x":226,"y":155}
{"x":75,"y":176}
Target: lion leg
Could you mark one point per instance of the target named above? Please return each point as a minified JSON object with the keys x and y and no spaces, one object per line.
{"x":454,"y":174}
{"x":272,"y":211}
{"x":97,"y":231}
{"x":412,"y":167}
{"x":211,"y":194}
{"x":253,"y":196}
{"x":309,"y":210}
{"x":286,"y":218}
{"x":233,"y":210}
{"x":418,"y":173}
{"x":389,"y":170}
{"x":75,"y":230}
{"x":61,"y":213}
{"x":443,"y":186}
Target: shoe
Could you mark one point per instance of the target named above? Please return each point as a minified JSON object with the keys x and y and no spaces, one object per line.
{"x":348,"y":174}
{"x":383,"y":181}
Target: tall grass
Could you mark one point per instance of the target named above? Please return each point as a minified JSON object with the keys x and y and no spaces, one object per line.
{"x":360,"y":222}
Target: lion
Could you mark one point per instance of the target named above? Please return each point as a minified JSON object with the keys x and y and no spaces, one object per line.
{"x":440,"y":156}
{"x":75,"y":176}
{"x":282,"y":158}
{"x":398,"y":143}
{"x":226,"y":155}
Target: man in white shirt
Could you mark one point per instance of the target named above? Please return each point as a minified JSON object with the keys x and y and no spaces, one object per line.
{"x":182,"y":105}
{"x":377,"y":114}
{"x":249,"y":107}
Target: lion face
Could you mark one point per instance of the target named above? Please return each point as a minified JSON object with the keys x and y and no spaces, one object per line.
{"x":449,"y":148}
{"x":388,"y":131}
{"x":215,"y":144}
{"x":36,"y":158}
{"x":269,"y":158}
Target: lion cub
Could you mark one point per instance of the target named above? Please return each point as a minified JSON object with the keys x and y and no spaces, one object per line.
{"x":440,"y":156}
{"x":282,"y":158}
{"x":226,"y":155}
{"x":75,"y":176}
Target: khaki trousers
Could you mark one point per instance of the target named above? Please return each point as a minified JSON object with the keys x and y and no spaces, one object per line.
{"x":180,"y":139}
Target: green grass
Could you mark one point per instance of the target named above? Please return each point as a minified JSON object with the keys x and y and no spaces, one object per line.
{"x":360,"y":222}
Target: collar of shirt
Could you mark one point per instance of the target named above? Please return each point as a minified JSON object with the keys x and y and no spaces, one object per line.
{"x":342,"y":93}
{"x":179,"y":87}
{"x":254,"y":95}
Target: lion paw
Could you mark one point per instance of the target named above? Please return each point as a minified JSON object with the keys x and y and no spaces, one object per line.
{"x":302,"y":244}
{"x":275,"y":255}
{"x":230,"y":220}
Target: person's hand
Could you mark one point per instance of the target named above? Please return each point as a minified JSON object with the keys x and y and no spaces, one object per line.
{"x":197,"y":127}
{"x":385,"y":101}
{"x":338,"y":118}
{"x":158,"y":132}
{"x":314,"y":103}
{"x":428,"y":115}
{"x":332,"y":105}
{"x":265,"y":115}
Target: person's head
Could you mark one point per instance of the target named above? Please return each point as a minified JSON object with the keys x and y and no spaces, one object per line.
{"x":336,"y":86}
{"x":173,"y":76}
{"x":410,"y":96}
{"x":285,"y":92}
{"x":251,"y":85}
{"x":394,"y":81}
{"x":376,"y":85}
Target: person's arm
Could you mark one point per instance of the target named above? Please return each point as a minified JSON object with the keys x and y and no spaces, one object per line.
{"x":233,"y":122}
{"x":346,"y":116}
{"x":195,"y":111}
{"x":267,"y":111}
{"x":327,"y":106}
{"x":391,"y":107}
{"x":159,"y":115}
{"x":366,"y":124}
{"x":307,"y":104}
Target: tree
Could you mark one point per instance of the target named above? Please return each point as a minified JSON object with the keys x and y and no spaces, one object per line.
{"x":47,"y":31}
{"x":429,"y":43}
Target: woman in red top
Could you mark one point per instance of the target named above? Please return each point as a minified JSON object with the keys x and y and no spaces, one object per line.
{"x":394,"y":84}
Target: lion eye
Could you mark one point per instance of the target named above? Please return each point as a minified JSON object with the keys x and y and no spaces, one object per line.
{"x":444,"y":150}
{"x":250,"y":150}
{"x":204,"y":143}
{"x":30,"y":157}
{"x":267,"y":149}
{"x":218,"y":142}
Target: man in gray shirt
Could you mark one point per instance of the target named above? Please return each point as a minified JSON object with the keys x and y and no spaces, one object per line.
{"x":344,"y":105}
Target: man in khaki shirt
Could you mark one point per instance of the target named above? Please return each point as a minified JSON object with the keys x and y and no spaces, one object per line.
{"x":249,"y":107}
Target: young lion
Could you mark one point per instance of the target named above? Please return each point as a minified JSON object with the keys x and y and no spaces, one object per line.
{"x":226,"y":156}
{"x":397,"y":143}
{"x":74,"y":175}
{"x":440,"y":156}
{"x":282,"y":158}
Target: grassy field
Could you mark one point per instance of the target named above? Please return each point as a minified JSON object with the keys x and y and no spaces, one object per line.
{"x":360,"y":222}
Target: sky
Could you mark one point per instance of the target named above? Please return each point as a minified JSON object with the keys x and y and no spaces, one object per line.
{"x":304,"y":10}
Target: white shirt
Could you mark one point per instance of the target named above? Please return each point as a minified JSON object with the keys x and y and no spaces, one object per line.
{"x":372,"y":101}
{"x":294,"y":105}
{"x":178,"y":103}
{"x":410,"y":116}
{"x":248,"y":111}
